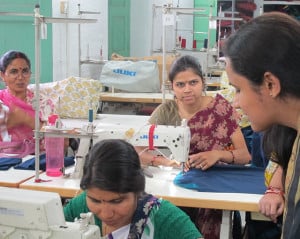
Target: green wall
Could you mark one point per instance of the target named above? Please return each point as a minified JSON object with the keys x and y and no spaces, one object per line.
{"x":119,"y":27}
{"x":201,"y":23}
{"x":18,"y":33}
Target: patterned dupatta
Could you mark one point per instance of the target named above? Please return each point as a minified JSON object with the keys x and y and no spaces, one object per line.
{"x":19,"y":132}
{"x":22,"y":142}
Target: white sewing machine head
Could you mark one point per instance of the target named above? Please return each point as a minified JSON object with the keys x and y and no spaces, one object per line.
{"x":175,"y":138}
{"x":35,"y":214}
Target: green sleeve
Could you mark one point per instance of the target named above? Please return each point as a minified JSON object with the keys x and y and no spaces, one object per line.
{"x":172,"y":222}
{"x":75,"y":206}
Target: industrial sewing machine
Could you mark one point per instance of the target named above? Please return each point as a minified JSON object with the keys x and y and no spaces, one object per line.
{"x":175,"y":138}
{"x":29,"y":214}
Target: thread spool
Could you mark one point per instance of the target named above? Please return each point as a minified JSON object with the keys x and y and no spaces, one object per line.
{"x":183,"y":43}
{"x":194,"y":44}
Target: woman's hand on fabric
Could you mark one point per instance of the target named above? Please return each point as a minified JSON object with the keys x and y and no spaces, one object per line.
{"x":163,"y":161}
{"x":169,"y":162}
{"x":203,"y":160}
{"x":271,"y":205}
{"x":173,"y":163}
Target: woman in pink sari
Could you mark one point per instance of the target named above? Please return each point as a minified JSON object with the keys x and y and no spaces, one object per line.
{"x":17,"y":115}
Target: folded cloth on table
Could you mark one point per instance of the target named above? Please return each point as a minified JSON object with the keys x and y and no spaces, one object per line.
{"x":30,"y":163}
{"x":6,"y":163}
{"x":224,"y":179}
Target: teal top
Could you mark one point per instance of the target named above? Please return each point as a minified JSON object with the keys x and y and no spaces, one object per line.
{"x":165,"y":221}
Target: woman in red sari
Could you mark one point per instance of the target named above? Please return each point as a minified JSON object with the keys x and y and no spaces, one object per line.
{"x":215,"y":133}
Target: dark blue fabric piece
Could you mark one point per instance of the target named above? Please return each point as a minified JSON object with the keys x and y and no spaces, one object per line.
{"x":30,"y":163}
{"x":258,"y":157}
{"x":224,"y":179}
{"x":6,"y":163}
{"x":248,"y":136}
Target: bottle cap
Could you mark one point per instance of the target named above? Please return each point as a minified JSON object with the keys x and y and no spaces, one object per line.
{"x":52,"y":119}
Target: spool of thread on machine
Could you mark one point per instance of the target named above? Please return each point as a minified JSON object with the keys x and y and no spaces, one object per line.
{"x":91,"y":112}
{"x":90,"y":126}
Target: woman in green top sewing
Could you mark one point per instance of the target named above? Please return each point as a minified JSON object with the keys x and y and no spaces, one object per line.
{"x":114,"y":184}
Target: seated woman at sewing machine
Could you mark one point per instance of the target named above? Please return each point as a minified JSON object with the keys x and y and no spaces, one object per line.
{"x":17,"y":119}
{"x":215,"y":133}
{"x":114,"y":184}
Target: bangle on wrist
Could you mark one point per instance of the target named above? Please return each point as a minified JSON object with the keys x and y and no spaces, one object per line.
{"x":233,"y":157}
{"x":274,"y":190}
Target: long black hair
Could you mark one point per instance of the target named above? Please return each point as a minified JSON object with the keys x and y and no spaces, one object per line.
{"x":278,"y":143}
{"x":113,"y":165}
{"x":267,"y":43}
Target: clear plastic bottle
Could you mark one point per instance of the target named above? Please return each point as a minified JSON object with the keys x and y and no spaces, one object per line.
{"x":54,"y":147}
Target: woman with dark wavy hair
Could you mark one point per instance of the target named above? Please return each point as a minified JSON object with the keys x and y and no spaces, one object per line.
{"x":114,"y":183}
{"x":263,"y":64}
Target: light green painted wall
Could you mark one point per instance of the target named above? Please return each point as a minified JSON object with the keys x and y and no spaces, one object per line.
{"x":17,"y":33}
{"x":119,"y":27}
{"x":201,"y":24}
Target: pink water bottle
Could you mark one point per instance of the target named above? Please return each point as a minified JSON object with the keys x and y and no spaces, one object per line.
{"x":54,"y":147}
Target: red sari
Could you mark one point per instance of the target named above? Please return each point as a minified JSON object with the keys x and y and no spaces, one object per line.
{"x":211,"y":129}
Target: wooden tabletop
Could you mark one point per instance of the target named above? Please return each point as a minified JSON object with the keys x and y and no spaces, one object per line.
{"x":14,"y":177}
{"x":65,"y":186}
{"x":160,"y":185}
{"x":156,"y":98}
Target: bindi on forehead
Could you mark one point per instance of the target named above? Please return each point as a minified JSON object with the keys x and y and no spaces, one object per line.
{"x":19,"y":68}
